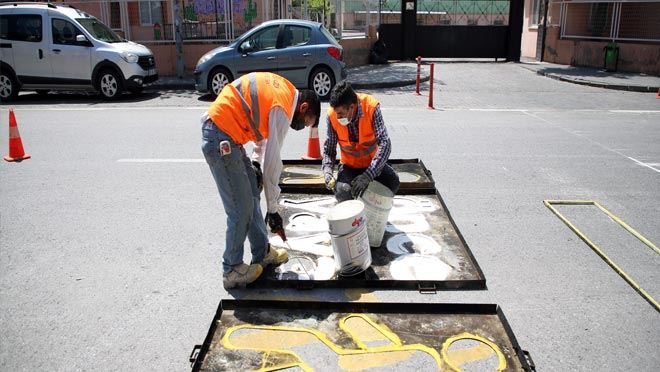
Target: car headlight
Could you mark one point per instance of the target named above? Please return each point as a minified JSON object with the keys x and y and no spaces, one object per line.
{"x":129,"y":57}
{"x":204,"y":58}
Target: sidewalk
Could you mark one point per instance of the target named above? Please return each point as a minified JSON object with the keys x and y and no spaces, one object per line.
{"x":404,"y":73}
{"x":362,"y":77}
{"x":594,"y":77}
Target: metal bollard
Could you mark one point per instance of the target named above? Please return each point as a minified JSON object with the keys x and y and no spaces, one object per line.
{"x":419,"y":61}
{"x":431,"y":89}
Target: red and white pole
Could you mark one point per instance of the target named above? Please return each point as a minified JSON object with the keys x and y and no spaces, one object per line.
{"x":419,"y":61}
{"x":431,"y":89}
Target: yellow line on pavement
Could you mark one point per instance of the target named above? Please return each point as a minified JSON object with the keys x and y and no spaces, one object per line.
{"x":595,"y":248}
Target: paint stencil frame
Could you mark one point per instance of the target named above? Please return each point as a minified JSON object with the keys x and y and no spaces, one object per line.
{"x":307,"y":335}
{"x":303,"y":175}
{"x":422,"y":248}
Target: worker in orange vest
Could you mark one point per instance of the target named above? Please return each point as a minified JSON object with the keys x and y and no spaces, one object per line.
{"x":356,"y":124}
{"x":259,"y":107}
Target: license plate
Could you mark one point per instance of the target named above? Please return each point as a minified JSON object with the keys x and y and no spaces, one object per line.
{"x":151,"y":71}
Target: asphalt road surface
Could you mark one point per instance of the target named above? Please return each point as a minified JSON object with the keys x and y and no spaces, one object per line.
{"x":111,"y":235}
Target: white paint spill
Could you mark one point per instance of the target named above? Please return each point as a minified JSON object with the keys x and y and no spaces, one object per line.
{"x":307,"y":222}
{"x":419,"y":267}
{"x":407,"y":223}
{"x":302,"y":170}
{"x":319,"y":205}
{"x":403,"y":244}
{"x":325,"y":268}
{"x":411,"y":205}
{"x":297,"y":268}
{"x":408,"y":177}
{"x":318,"y":244}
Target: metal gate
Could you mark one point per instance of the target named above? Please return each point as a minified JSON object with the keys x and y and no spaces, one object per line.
{"x":452,"y":28}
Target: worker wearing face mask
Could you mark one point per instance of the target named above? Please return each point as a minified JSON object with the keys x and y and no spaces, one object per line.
{"x":259,"y":107}
{"x":356,"y":124}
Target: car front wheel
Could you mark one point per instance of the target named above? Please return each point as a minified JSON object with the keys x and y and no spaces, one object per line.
{"x":8,"y":86}
{"x":109,"y":85}
{"x":218,"y":78}
{"x":321,"y":81}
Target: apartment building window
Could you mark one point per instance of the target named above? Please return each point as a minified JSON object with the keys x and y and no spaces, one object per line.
{"x":534,"y":16}
{"x":150,"y":13}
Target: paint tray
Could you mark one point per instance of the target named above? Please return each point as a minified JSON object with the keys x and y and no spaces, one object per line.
{"x":300,"y":335}
{"x":422,"y":248}
{"x":306,"y":174}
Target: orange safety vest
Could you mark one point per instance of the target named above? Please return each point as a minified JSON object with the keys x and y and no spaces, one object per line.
{"x":357,"y":155}
{"x":242,"y":107}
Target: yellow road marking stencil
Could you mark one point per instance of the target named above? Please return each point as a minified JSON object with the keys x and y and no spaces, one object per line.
{"x":550,"y":204}
{"x":477,"y":350}
{"x":371,"y":346}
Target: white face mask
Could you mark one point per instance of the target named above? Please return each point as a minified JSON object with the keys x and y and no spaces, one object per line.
{"x":343,"y":121}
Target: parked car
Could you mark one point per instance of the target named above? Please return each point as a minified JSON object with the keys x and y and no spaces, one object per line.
{"x":53,"y":47}
{"x":304,"y":52}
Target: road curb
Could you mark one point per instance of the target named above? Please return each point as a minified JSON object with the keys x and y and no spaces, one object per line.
{"x":591,"y":83}
{"x":387,"y":84}
{"x":356,"y":85}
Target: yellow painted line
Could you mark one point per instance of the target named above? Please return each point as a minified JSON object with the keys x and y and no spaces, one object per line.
{"x":389,"y":335}
{"x":595,"y":248}
{"x":455,"y":364}
{"x":397,"y":345}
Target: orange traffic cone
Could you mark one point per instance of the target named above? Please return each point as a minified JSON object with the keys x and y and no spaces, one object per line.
{"x":313,"y":145}
{"x":16,"y":152}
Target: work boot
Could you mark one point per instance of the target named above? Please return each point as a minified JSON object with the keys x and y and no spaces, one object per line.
{"x":241,"y":275}
{"x":275,"y":256}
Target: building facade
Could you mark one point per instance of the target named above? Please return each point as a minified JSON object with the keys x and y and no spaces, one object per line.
{"x":577,"y":32}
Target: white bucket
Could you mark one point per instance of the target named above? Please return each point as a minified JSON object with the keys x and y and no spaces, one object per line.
{"x":350,"y":241}
{"x":378,"y":200}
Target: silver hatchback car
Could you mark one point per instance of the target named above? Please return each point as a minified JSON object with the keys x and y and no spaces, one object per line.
{"x":303,"y":52}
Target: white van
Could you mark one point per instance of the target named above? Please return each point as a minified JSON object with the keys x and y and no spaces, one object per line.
{"x":45,"y":47}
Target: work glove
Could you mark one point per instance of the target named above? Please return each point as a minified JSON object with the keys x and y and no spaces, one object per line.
{"x":330,"y":181}
{"x":358,"y":185}
{"x":260,"y":175}
{"x":274,"y":221}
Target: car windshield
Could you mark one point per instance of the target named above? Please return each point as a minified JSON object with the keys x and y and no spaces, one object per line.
{"x":328,"y":35}
{"x":99,"y":31}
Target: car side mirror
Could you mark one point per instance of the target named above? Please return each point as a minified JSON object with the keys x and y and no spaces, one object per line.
{"x":82,"y":40}
{"x":246,"y":48}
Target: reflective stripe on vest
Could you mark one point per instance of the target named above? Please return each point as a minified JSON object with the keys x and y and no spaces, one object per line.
{"x":252,"y":115}
{"x":357,"y":154}
{"x":368,"y":148}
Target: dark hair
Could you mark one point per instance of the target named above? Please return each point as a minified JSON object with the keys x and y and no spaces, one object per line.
{"x":308,"y":95}
{"x":342,"y":94}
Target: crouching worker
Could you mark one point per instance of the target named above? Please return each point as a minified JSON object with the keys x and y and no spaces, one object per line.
{"x":356,"y":124}
{"x":259,"y":107}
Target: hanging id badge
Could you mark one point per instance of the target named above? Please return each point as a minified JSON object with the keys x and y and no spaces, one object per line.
{"x":225,"y":148}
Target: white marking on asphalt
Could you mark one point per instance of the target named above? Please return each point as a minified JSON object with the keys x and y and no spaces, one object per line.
{"x":635,"y":111}
{"x":159,"y":108}
{"x":644,"y":164}
{"x":161,"y":161}
{"x":592,"y":141}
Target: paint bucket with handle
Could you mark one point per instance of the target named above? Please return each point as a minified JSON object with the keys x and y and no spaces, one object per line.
{"x":350,"y":241}
{"x":378,"y":201}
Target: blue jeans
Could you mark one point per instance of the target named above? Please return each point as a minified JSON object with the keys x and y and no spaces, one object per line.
{"x":237,"y":185}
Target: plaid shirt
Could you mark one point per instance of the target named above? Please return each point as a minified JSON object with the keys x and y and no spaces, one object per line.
{"x":384,"y":143}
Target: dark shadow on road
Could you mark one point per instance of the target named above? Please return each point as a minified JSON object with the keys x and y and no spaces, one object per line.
{"x":583,"y":72}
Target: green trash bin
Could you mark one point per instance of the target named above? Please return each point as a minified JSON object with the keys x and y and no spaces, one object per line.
{"x":611,"y":56}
